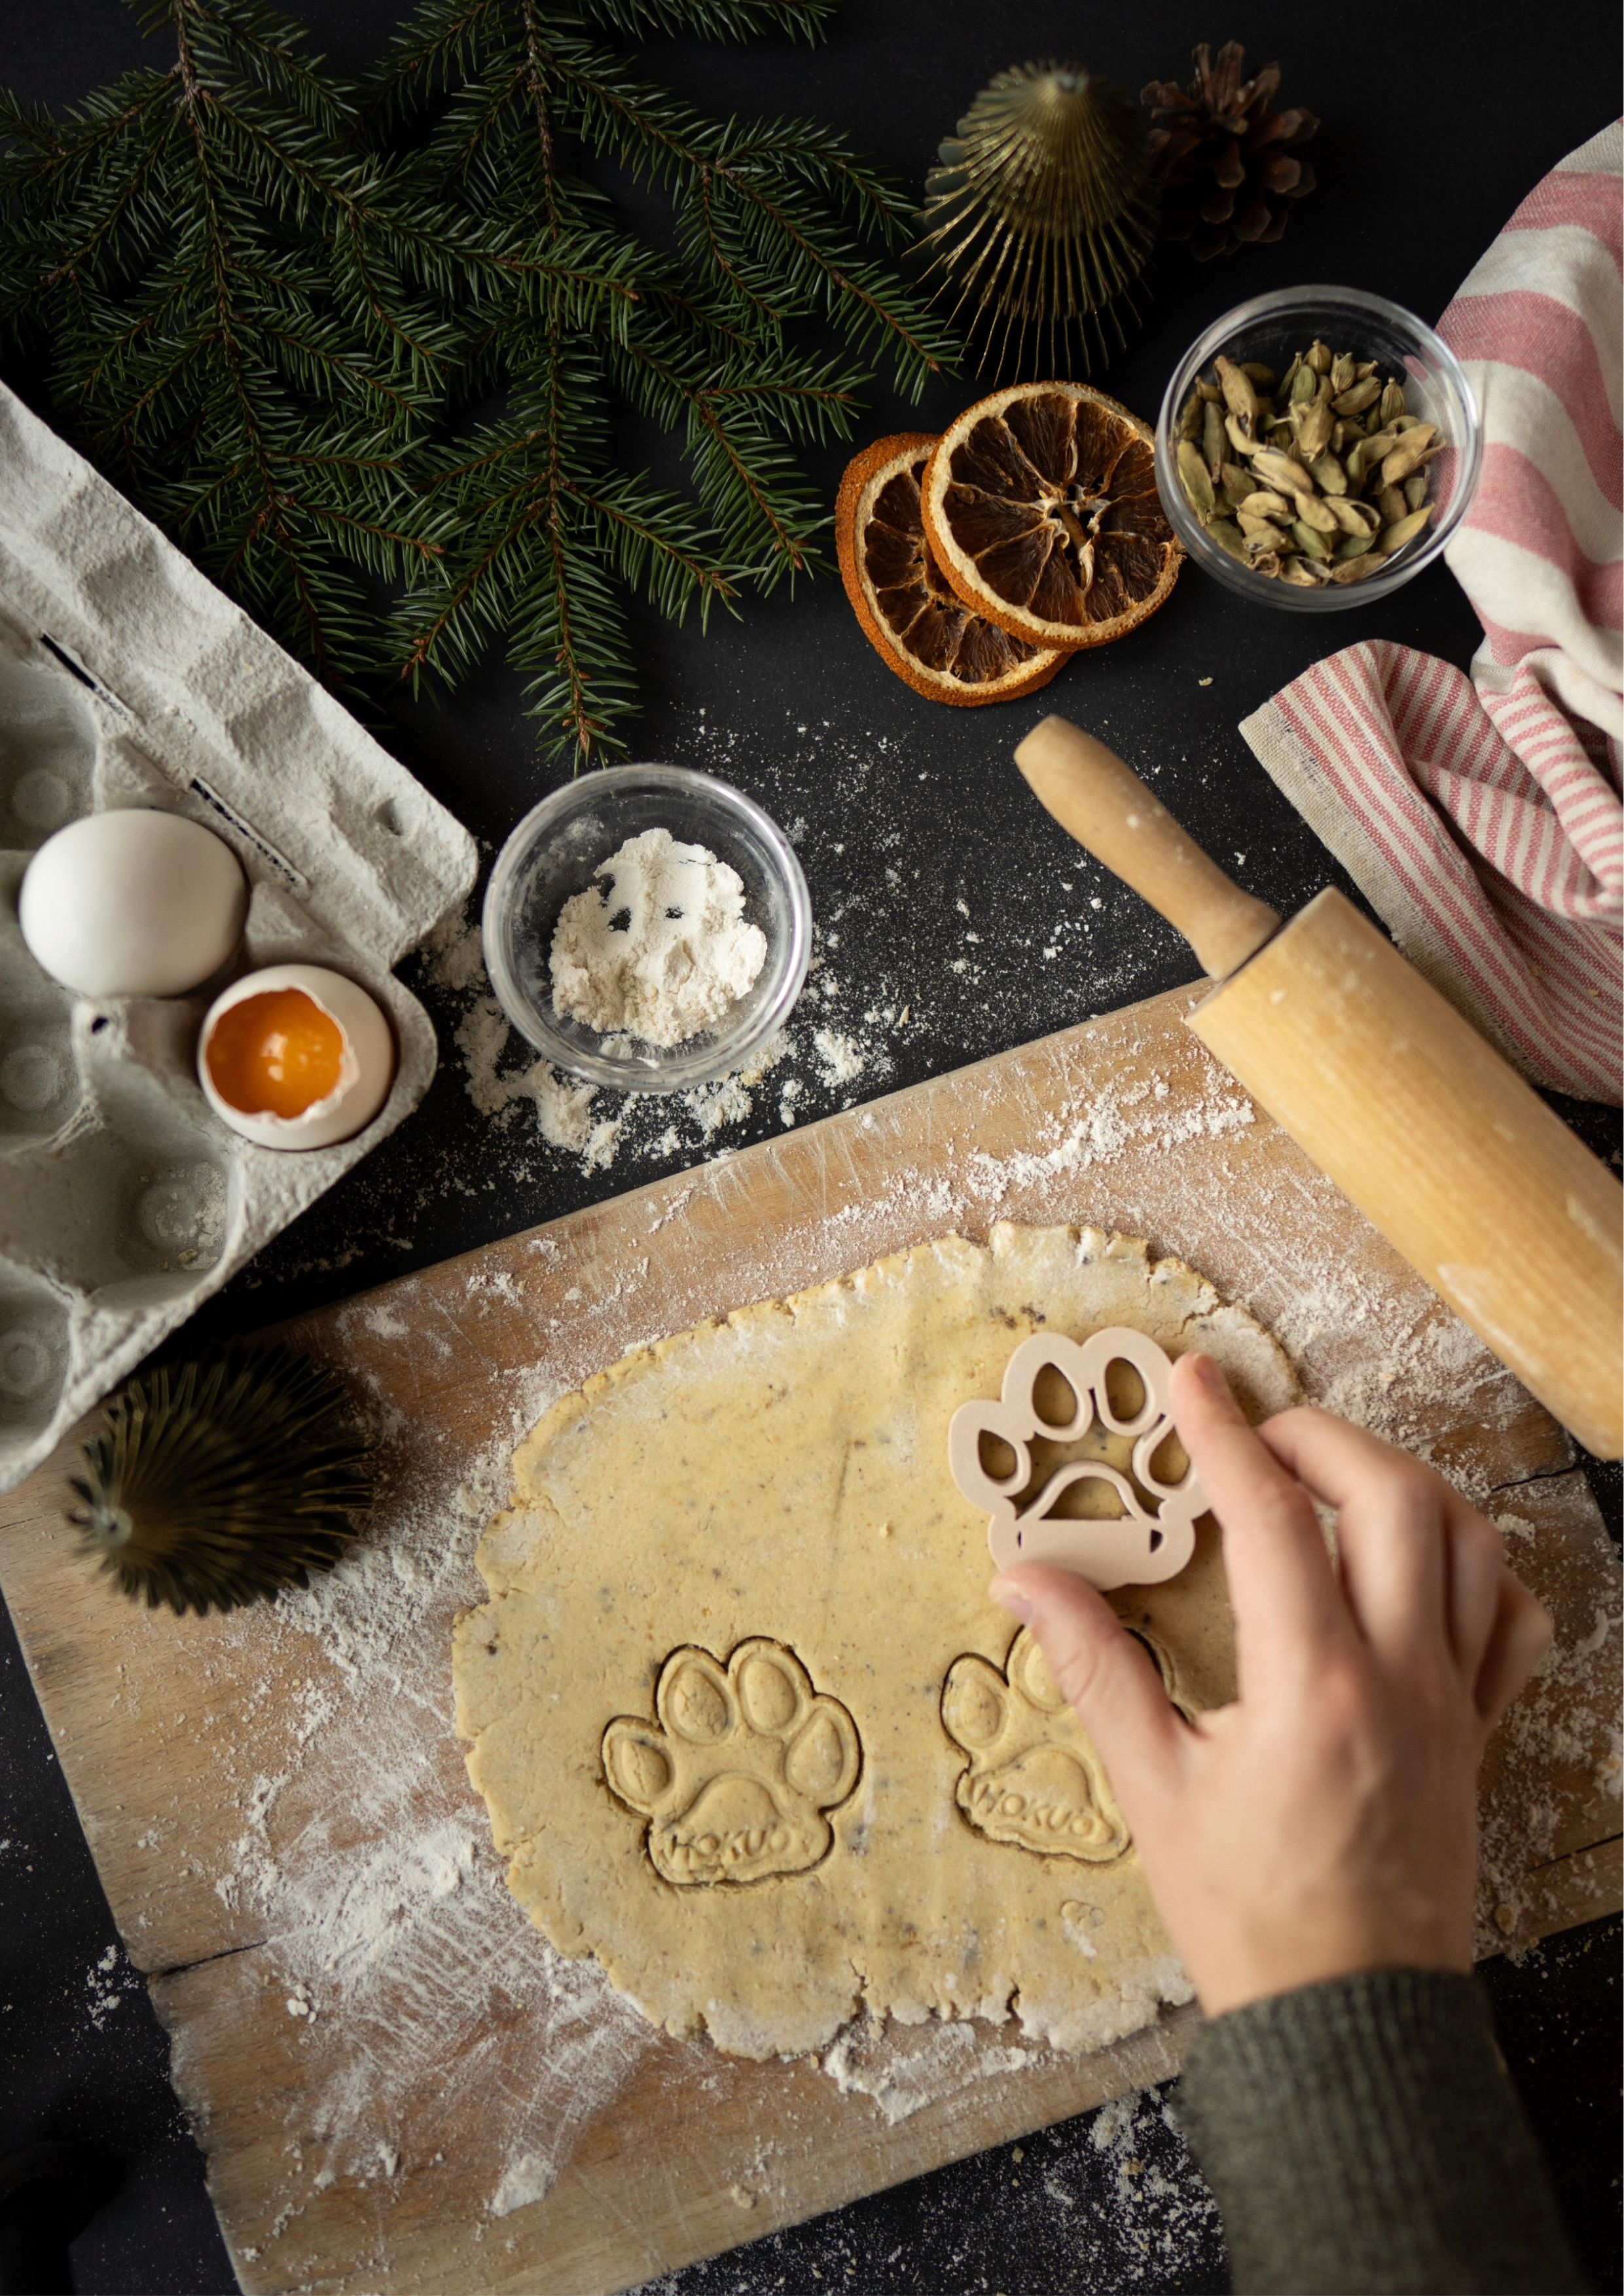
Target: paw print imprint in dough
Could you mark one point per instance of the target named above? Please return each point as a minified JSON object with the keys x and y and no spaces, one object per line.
{"x":739,"y":1767}
{"x":1033,"y":1777}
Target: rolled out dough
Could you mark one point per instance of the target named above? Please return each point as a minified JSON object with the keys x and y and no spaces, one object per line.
{"x":747,"y":1725}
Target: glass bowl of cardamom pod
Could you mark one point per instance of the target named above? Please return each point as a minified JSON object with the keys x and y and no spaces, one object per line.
{"x":1317,"y":448}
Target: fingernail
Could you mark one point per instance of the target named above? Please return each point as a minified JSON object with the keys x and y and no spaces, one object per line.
{"x":1010,"y":1598}
{"x":1205,"y":1370}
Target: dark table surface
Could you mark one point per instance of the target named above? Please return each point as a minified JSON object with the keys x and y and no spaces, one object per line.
{"x":944,"y":895}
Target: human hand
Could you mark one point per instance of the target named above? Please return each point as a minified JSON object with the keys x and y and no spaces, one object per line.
{"x":1326,"y":1820}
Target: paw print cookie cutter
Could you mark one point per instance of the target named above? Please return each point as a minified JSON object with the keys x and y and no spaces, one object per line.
{"x":1136,"y":1548}
{"x":740,"y":1768}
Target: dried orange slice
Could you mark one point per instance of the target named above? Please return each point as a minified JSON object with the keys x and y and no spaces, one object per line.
{"x":1041,"y":508}
{"x":915,"y":620}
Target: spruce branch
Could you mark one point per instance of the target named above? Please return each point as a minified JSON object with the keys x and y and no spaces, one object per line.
{"x":770,"y":223}
{"x":546,"y":523}
{"x":204,"y":248}
{"x":344,"y":341}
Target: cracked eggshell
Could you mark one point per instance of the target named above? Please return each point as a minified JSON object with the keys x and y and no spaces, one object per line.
{"x":366,"y":1068}
{"x":132,"y":902}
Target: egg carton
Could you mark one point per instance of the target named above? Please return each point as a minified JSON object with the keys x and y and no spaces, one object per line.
{"x":126,"y":678}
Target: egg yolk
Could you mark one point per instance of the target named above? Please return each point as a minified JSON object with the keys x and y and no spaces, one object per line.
{"x":276,"y":1055}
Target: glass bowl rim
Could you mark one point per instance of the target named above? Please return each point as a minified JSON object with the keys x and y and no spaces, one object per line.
{"x":1213,"y":338}
{"x":717,"y":1053}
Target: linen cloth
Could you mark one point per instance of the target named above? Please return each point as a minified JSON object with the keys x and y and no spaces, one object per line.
{"x":1481,"y":816}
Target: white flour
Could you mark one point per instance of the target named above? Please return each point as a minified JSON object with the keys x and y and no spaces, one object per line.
{"x":905,"y":2071}
{"x":839,"y":1059}
{"x":563,"y":1111}
{"x":663,"y":951}
{"x":397,"y":1949}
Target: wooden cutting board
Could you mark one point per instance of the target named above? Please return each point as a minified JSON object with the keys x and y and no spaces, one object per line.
{"x":397,"y":2084}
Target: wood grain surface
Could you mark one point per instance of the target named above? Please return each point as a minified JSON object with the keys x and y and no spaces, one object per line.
{"x":397,"y":2085}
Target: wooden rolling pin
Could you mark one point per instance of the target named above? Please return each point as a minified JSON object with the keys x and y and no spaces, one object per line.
{"x":1376,"y":1077}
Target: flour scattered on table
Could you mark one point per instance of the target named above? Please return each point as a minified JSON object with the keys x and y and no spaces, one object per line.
{"x":1120,"y":1118}
{"x":453,"y":957}
{"x":730,"y":1100}
{"x":1161,"y":2205}
{"x":528,"y":2179}
{"x":502,"y":1076}
{"x":905,"y":2069}
{"x":839,"y":1059}
{"x":662,"y":950}
{"x":397,"y":1952}
{"x":107,"y":1981}
{"x":565,"y":1112}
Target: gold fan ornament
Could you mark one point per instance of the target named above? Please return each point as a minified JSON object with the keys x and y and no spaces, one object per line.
{"x":1042,"y":215}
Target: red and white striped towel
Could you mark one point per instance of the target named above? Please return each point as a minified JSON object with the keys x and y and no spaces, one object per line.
{"x":1482,"y":817}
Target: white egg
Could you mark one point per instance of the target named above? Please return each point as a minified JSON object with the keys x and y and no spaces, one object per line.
{"x":133,"y":903}
{"x":258,"y":1060}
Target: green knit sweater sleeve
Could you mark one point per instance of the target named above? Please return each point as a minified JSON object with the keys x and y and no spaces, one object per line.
{"x":1363,"y":2136}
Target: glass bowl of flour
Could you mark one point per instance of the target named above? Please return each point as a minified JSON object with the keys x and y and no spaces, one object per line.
{"x":647,"y":928}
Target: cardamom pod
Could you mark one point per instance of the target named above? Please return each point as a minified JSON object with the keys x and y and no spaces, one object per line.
{"x":1236,"y":483}
{"x":1319,"y":357}
{"x":1395,"y":537}
{"x":1190,"y":417}
{"x":1341,"y":373}
{"x":1392,"y":402}
{"x":1238,"y":435}
{"x":1309,"y":540}
{"x":1314,"y":431}
{"x":1329,"y":472}
{"x":1353,"y":545}
{"x":1265,"y":504}
{"x":1354,"y":401}
{"x":1370,"y":453}
{"x":1406,"y":456}
{"x":1300,"y":574}
{"x":1290,"y":377}
{"x":1282,"y":471}
{"x":1355,"y":570}
{"x":1392,"y":503}
{"x":1260,"y":530}
{"x":1213,"y":440}
{"x":1262,"y":378}
{"x":1416,"y":489}
{"x":1228,"y":536}
{"x":1196,"y":480}
{"x":1240,"y":395}
{"x":1312,"y":512}
{"x":1304,"y":385}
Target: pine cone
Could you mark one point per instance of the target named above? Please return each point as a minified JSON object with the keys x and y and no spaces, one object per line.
{"x":1222,"y":156}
